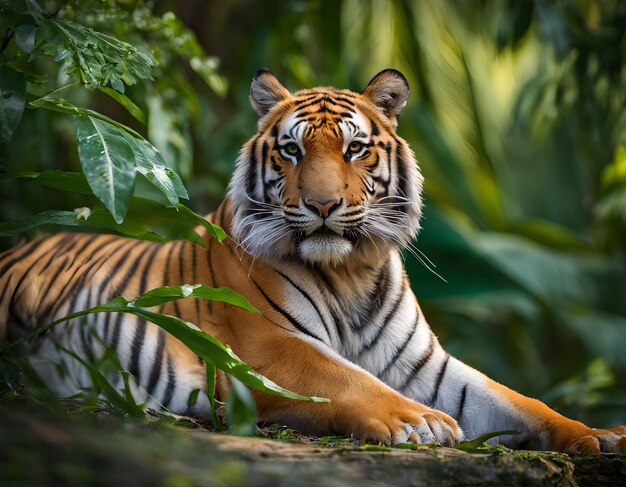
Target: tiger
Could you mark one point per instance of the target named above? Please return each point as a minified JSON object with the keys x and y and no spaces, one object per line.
{"x":324,"y":199}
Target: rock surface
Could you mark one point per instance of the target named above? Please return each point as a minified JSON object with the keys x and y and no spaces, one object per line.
{"x":79,"y":449}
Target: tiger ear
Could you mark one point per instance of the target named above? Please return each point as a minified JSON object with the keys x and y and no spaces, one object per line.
{"x":266,"y":91}
{"x":389,"y":91}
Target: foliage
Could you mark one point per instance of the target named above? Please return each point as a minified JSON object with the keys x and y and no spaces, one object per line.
{"x":110,"y":155}
{"x":240,"y":408}
{"x":516,"y":116}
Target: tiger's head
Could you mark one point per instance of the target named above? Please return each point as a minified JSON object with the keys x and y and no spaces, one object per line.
{"x":326,"y":178}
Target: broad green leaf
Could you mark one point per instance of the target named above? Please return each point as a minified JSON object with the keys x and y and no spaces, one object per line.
{"x":146,"y":157}
{"x":151,"y":165}
{"x":211,"y":350}
{"x":207,"y":347}
{"x":240,"y":410}
{"x":98,"y":218}
{"x":61,"y":105}
{"x":107,"y":161}
{"x":63,"y":180}
{"x":12,"y":89}
{"x":214,"y":230}
{"x":126,"y":102}
{"x":549,"y":234}
{"x":165,"y":294}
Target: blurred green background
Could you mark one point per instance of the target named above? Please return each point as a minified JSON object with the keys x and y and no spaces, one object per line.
{"x":517,"y":119}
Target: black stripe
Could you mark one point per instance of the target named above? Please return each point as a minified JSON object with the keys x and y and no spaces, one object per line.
{"x":168,"y":261}
{"x":73,"y":290}
{"x":157,"y":363}
{"x":194,"y":277}
{"x":442,"y":372}
{"x":375,"y":130}
{"x":142,"y":325}
{"x":296,"y":324}
{"x":264,"y":163}
{"x":77,"y":252}
{"x":388,"y":318}
{"x":424,"y":358}
{"x":59,"y":248}
{"x":117,"y":327}
{"x":308,"y":298}
{"x":209,"y":256}
{"x":251,"y":174}
{"x":304,"y":100}
{"x":459,"y":411}
{"x":319,"y":273}
{"x":402,"y":347}
{"x":403,"y":182}
{"x":181,"y":264}
{"x":339,"y":323}
{"x":119,"y":288}
{"x":21,"y":252}
{"x":181,"y":277}
{"x":345,"y":99}
{"x":51,"y":279}
{"x":312,"y":102}
{"x":168,"y":393}
{"x":378,"y":295}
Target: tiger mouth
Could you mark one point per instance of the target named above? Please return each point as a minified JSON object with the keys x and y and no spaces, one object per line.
{"x":324,"y":230}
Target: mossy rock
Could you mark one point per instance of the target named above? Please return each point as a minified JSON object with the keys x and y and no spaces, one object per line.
{"x":106,"y":449}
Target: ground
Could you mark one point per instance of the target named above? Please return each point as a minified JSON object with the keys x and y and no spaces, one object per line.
{"x":99,"y":447}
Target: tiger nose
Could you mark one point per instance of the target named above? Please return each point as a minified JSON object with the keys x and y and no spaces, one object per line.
{"x":323,"y":208}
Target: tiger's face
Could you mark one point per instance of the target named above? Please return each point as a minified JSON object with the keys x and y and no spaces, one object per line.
{"x":326,"y":178}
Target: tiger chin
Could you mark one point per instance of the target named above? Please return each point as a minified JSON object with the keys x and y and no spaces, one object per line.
{"x":324,"y":197}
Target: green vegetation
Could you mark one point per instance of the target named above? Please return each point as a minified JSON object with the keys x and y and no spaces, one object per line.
{"x":516,"y":116}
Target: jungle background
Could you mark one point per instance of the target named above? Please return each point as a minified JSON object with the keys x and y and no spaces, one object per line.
{"x":516,"y":117}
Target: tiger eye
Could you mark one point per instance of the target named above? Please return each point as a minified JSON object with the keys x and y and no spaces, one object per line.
{"x":292,"y":148}
{"x":355,"y":147}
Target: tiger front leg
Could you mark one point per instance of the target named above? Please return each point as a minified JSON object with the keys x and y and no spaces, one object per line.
{"x":360,"y":406}
{"x":483,"y":406}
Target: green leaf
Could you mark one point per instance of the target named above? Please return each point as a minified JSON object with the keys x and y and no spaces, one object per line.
{"x":106,"y":158}
{"x":61,"y":105}
{"x":207,"y":347}
{"x":126,"y":102}
{"x":97,"y":218}
{"x":63,"y":180}
{"x":146,"y":157}
{"x":165,"y":294}
{"x":240,"y":410}
{"x":12,"y":90}
{"x":210,"y":392}
{"x":214,"y":230}
{"x":211,"y":350}
{"x":193,"y":398}
{"x":150,"y":164}
{"x":98,"y":59}
{"x":478,"y":443}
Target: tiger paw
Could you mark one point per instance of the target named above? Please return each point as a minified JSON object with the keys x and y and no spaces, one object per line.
{"x":591,"y":440}
{"x":409,"y":422}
